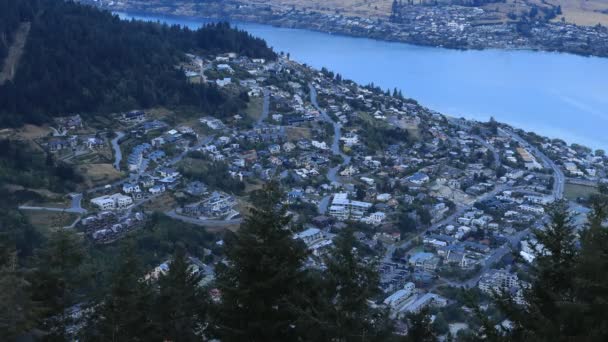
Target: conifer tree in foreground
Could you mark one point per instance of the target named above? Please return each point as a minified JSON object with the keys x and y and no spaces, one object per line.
{"x":15,"y":304}
{"x":568,"y":297}
{"x":261,"y":277}
{"x":420,"y":328}
{"x":55,"y":278}
{"x":182,"y":303}
{"x":125,"y":313}
{"x":351,"y":283}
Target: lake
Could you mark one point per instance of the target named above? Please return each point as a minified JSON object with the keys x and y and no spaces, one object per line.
{"x":553,"y":94}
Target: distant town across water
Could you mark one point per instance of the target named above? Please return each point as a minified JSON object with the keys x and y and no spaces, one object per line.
{"x":557,"y":95}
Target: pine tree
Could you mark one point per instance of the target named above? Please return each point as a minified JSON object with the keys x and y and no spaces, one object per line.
{"x":420,"y":328}
{"x":591,"y":272}
{"x":16,"y":308}
{"x":351,"y":282}
{"x":55,"y":279}
{"x":125,"y":314}
{"x":261,"y":277}
{"x":552,"y":310}
{"x":182,"y":303}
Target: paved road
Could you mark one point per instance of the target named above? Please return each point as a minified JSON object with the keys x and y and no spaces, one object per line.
{"x":117,"y":152}
{"x":205,"y":223}
{"x":494,"y":257}
{"x":459,"y":123}
{"x":456,"y":214}
{"x":265,"y":106}
{"x":559,"y":178}
{"x":75,"y":207}
{"x":332,"y":173}
{"x":490,"y":147}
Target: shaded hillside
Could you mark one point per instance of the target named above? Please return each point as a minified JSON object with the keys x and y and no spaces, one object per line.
{"x":81,"y":59}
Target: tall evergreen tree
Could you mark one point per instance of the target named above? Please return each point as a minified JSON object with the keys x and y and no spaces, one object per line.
{"x":262,"y":275}
{"x":56,"y":276}
{"x":182,"y":303}
{"x":351,"y":282}
{"x":569,"y":291}
{"x":16,"y":307}
{"x":420,"y":328}
{"x":125,"y":314}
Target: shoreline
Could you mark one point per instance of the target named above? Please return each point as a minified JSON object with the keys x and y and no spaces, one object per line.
{"x":397,"y":33}
{"x":467,"y":115}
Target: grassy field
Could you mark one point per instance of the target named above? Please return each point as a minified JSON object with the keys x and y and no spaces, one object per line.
{"x":364,"y":8}
{"x":297,"y":133}
{"x":99,"y":174}
{"x":48,"y":221}
{"x":254,"y":108}
{"x":574,"y":191}
{"x":584,"y":12}
{"x":580,"y":12}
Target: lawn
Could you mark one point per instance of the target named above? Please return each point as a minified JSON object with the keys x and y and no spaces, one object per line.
{"x":574,"y":191}
{"x":49,"y":220}
{"x":254,"y":108}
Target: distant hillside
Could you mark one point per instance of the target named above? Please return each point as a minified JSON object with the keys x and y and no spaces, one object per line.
{"x":81,"y":59}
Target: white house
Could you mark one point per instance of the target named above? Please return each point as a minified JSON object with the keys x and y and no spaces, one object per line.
{"x":112,"y":202}
{"x":128,"y":188}
{"x":343,"y":208}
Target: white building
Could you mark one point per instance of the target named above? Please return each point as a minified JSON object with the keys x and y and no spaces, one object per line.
{"x":309,"y":236}
{"x":397,"y":300}
{"x":375,"y":218}
{"x":344,"y":209}
{"x":112,"y":202}
{"x":128,"y":188}
{"x":314,"y":240}
{"x":321,"y":145}
{"x":499,"y":281}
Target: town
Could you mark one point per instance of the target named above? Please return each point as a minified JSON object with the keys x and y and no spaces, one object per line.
{"x":438,"y":203}
{"x":442,"y":25}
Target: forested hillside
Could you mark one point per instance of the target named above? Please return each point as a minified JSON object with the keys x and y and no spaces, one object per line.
{"x":80,"y":59}
{"x":11,"y":14}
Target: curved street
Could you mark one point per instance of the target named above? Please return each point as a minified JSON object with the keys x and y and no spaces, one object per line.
{"x":116,"y":148}
{"x":332,"y":173}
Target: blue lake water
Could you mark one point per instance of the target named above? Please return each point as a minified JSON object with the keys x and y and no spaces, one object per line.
{"x":554,"y":94}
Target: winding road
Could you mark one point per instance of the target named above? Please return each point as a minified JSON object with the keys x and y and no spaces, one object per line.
{"x":75,"y":207}
{"x":117,"y":152}
{"x":559,"y":178}
{"x":332,"y":173}
{"x":265,"y":106}
{"x":205,"y":223}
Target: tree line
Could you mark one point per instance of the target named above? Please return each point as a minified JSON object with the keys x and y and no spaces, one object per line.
{"x":263,"y":290}
{"x":79,"y":59}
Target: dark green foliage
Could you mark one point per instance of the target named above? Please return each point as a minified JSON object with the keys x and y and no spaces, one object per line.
{"x":263,"y":273}
{"x":214,"y":174}
{"x":420,"y":328}
{"x":80,"y":59}
{"x":55,"y":279}
{"x":350,"y":282}
{"x":15,"y":302}
{"x":16,"y":234}
{"x":12,"y":13}
{"x":182,"y":304}
{"x":23,"y":165}
{"x":569,"y":290}
{"x":125,"y":313}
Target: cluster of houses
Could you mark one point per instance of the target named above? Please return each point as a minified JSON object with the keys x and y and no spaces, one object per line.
{"x":410,"y":300}
{"x":108,"y":226}
{"x":463,"y":194}
{"x":216,"y":205}
{"x":502,"y":282}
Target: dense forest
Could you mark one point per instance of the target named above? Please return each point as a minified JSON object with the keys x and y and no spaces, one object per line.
{"x":79,"y":59}
{"x":11,"y":13}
